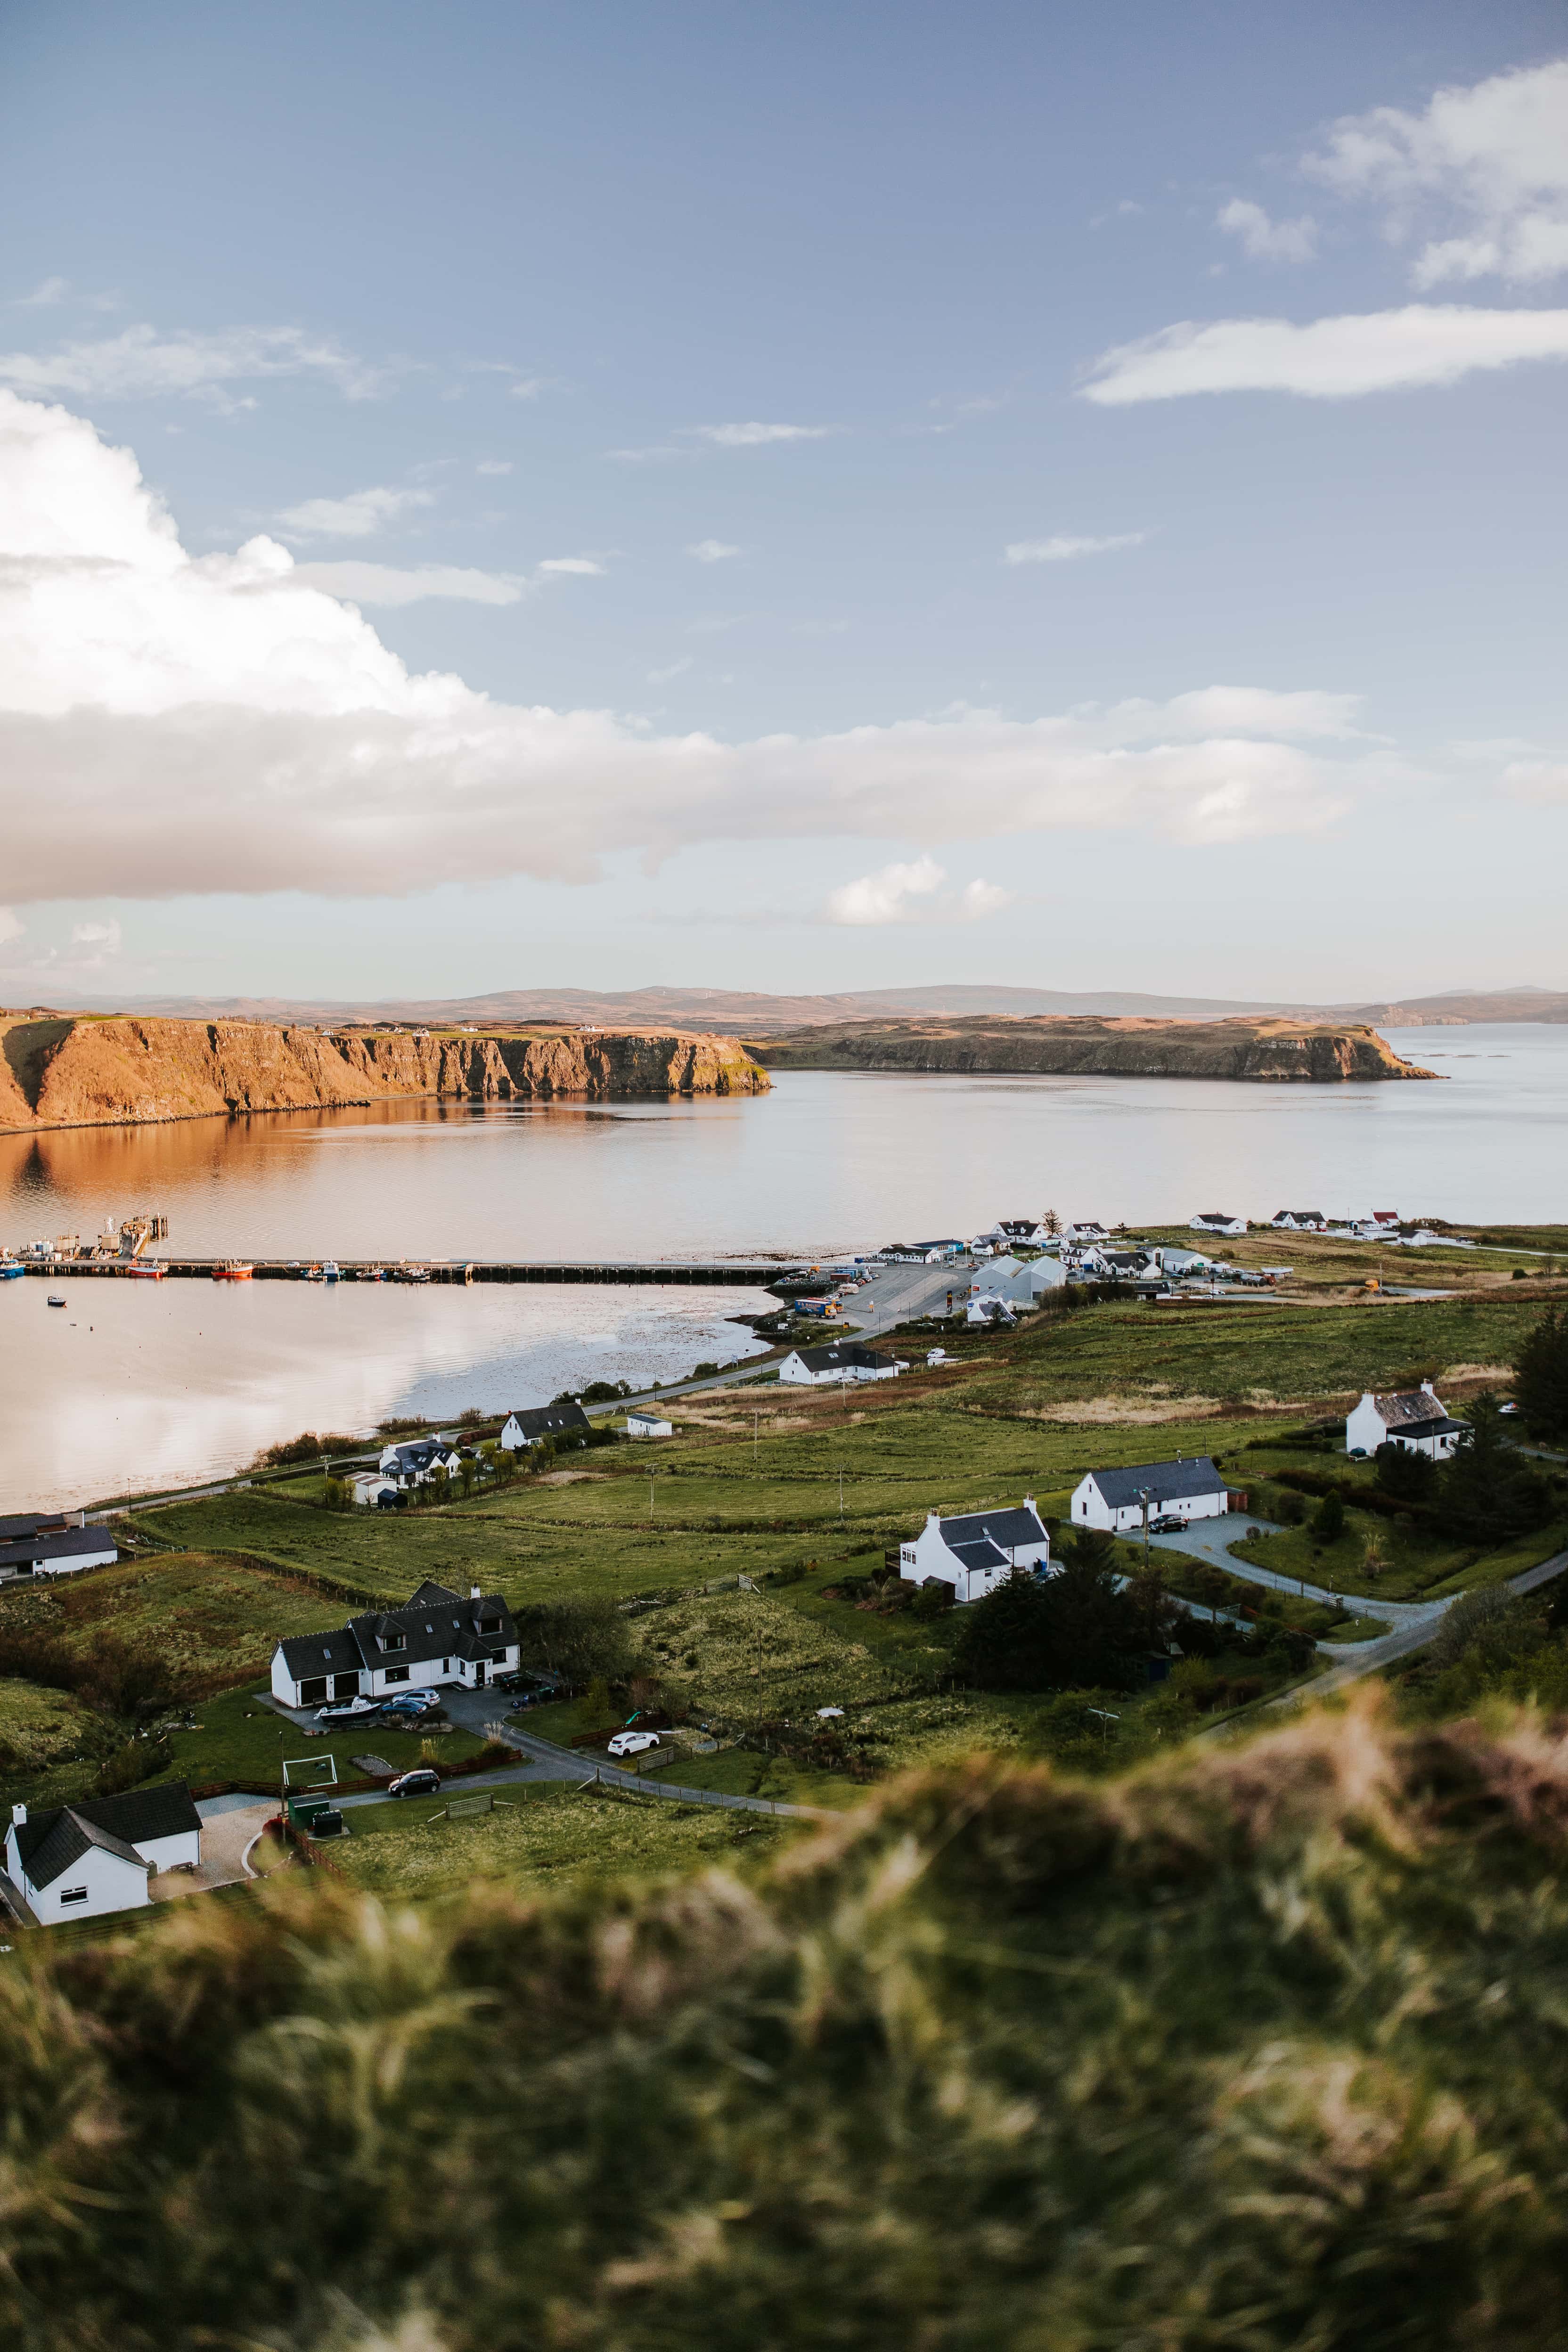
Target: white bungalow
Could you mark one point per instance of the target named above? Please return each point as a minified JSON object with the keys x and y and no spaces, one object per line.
{"x":50,"y":1543}
{"x":1087,"y":1229}
{"x":77,"y":1862}
{"x":1216,"y":1222}
{"x":436,"y":1637}
{"x":978,"y":1551}
{"x":1298,"y":1221}
{"x":531,"y":1424}
{"x":841,"y":1360}
{"x":1415,"y":1419}
{"x":643,"y":1423}
{"x":1113,"y":1501}
{"x":415,"y":1464}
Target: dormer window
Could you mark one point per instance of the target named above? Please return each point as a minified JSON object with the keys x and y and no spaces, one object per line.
{"x":489,"y":1624}
{"x":393,"y":1641}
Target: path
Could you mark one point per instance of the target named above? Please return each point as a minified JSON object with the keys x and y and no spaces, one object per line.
{"x":1211,"y":1540}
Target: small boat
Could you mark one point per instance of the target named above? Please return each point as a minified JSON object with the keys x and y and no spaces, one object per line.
{"x":55,"y":1299}
{"x":332,"y":1271}
{"x":314,"y":1274}
{"x":371,"y":1274}
{"x":234,"y":1269}
{"x":11,"y":1270}
{"x":146,"y":1269}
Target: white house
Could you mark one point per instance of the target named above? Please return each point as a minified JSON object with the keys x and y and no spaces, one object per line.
{"x":415,"y":1462}
{"x":76,"y":1862}
{"x":1413,"y":1418}
{"x":48,"y":1543}
{"x":437,"y":1637}
{"x":643,"y":1423}
{"x":1087,"y":1229}
{"x":370,"y":1485}
{"x":841,"y":1360}
{"x":978,"y":1551}
{"x":919,"y":1253}
{"x":1113,"y":1500}
{"x":1176,"y":1264}
{"x":1014,"y":1232}
{"x":990,"y":1310}
{"x":1298,"y":1221}
{"x":531,"y":1424}
{"x":1217,"y":1221}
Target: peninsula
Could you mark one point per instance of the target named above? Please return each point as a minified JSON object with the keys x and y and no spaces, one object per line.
{"x":1268,"y":1050}
{"x":86,"y":1071}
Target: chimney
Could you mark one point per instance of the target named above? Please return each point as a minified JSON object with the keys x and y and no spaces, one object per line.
{"x":19,"y":1817}
{"x":474,"y":1592}
{"x":933,"y":1520}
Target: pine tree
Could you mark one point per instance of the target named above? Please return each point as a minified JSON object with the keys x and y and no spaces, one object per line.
{"x":1540,"y":1375}
{"x":1487,"y":1493}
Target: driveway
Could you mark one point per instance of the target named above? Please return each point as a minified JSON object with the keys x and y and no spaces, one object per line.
{"x":224,"y":1838}
{"x":1211,"y":1540}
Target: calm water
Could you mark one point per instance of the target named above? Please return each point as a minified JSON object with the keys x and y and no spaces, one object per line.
{"x":139,"y":1385}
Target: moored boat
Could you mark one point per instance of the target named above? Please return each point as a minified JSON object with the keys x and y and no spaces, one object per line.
{"x":11,"y":1270}
{"x":234,"y":1269}
{"x":146,"y":1269}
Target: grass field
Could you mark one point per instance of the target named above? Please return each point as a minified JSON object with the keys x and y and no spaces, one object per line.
{"x":238,"y":1739}
{"x":214,"y":1618}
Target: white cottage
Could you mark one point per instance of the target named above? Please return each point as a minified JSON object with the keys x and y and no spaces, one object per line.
{"x":1217,"y":1221}
{"x":532,"y":1424}
{"x":1415,"y":1419}
{"x":643,"y":1423}
{"x":978,"y":1551}
{"x":842,"y":1360}
{"x":416,"y":1463}
{"x":1112,"y":1501}
{"x":437,"y":1637}
{"x":77,"y":1862}
{"x":51,"y":1543}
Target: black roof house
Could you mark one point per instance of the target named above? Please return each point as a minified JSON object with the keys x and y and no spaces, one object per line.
{"x":540,"y":1420}
{"x":435,"y":1622}
{"x":49,"y":1843}
{"x":988,"y":1539}
{"x":844,"y":1354}
{"x":1166,"y":1482}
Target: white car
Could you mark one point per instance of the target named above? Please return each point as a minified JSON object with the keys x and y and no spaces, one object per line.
{"x":633,"y":1743}
{"x":342,"y":1709}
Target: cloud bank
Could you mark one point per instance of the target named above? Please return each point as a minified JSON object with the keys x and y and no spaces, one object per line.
{"x":224,"y":723}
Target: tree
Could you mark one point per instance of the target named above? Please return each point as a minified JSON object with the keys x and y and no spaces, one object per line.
{"x":579,"y":1639}
{"x":1065,"y":1631}
{"x":1329,"y":1519}
{"x":1405,"y":1475}
{"x":1540,"y":1375}
{"x":1487,"y":1492}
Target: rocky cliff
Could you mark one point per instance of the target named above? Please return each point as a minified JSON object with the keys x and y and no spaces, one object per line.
{"x":100,"y":1073}
{"x":1271,"y":1050}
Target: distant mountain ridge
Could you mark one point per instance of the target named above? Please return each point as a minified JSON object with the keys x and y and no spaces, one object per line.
{"x":755,"y":1011}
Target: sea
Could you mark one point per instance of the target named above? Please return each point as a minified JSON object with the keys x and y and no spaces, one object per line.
{"x":136,"y":1386}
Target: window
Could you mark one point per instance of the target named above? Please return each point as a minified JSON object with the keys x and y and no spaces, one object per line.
{"x":397,"y":1673}
{"x":393,"y":1642}
{"x":489,"y":1624}
{"x":72,"y":1895}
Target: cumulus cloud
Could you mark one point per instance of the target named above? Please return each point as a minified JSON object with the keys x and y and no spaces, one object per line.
{"x":756,"y":437}
{"x":221,"y":722}
{"x":1263,"y":239}
{"x":142,"y":363}
{"x":1332,"y":358}
{"x":1062,"y":549}
{"x":712,"y":551}
{"x":357,"y":516}
{"x":1487,"y":166}
{"x":912,"y":893}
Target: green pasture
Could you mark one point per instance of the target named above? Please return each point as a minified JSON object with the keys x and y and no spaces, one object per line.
{"x":238,"y":1737}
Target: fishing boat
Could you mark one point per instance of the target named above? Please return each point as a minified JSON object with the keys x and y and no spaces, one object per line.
{"x":11,"y":1270}
{"x":146,"y":1269}
{"x":332,"y":1271}
{"x":314,"y":1274}
{"x":371,"y":1274}
{"x":234,"y":1269}
{"x":55,"y":1299}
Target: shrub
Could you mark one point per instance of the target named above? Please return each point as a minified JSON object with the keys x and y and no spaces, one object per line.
{"x":1540,"y":1375}
{"x":1329,"y":1519}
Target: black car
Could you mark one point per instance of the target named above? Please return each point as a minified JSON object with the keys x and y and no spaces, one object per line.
{"x":422,"y":1781}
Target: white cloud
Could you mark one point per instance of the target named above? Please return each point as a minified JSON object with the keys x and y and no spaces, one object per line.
{"x":45,"y":296}
{"x":142,"y":363}
{"x":354,"y":516}
{"x":912,"y":894}
{"x":1062,"y":549}
{"x":756,"y":437}
{"x":388,"y":584}
{"x":1537,"y":780}
{"x":1333,"y":358}
{"x":493,"y":466}
{"x":528,"y":387}
{"x":886,"y":896}
{"x":648,"y":457}
{"x":11,"y":924}
{"x":586,"y":567}
{"x":220,"y":723}
{"x":1487,"y":165}
{"x":1263,"y":239}
{"x":97,"y":935}
{"x":712,"y":551}
{"x":670,"y":669}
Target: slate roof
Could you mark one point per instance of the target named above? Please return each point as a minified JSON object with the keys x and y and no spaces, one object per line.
{"x":550,"y":1420}
{"x":48,"y":1844}
{"x":1408,"y":1409}
{"x":1002,"y":1530}
{"x":1168,"y":1482}
{"x":847,"y":1353}
{"x":22,"y":1524}
{"x":420,"y":1452}
{"x":73,"y":1543}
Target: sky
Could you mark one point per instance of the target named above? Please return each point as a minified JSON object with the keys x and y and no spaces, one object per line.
{"x":782,"y":498}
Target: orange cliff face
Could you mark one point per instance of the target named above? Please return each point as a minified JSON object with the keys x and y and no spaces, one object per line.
{"x":71,"y":1072}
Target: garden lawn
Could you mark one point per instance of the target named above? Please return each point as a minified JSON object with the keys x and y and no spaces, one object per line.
{"x":546,"y":1834}
{"x":240,"y":1739}
{"x":1421,"y":1567}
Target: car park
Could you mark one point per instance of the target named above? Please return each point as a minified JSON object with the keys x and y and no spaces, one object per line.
{"x":422,"y":1781}
{"x":345,"y":1710}
{"x":633,"y":1743}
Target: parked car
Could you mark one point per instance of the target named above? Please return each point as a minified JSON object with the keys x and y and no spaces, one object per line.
{"x":412,"y":1704}
{"x":422,"y":1781}
{"x":344,"y":1710}
{"x":633,"y":1743}
{"x":1166,"y":1526}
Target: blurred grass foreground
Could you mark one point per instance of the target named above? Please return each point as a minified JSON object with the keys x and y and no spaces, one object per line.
{"x":1264,"y":2047}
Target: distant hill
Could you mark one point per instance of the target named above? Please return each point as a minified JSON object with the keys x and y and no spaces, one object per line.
{"x":757,"y":1012}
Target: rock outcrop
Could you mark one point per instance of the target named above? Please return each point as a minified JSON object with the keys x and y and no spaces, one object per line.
{"x":1271,"y":1050}
{"x":126,"y":1071}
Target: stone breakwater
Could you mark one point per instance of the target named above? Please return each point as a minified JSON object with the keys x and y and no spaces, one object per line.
{"x":83,"y":1072}
{"x":1257,"y":1050}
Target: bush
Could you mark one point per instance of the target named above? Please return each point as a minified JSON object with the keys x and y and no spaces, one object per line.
{"x":1407,"y":1477}
{"x":1329,"y":1519}
{"x":1540,"y":1375}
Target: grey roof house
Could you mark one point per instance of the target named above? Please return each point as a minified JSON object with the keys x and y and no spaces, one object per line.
{"x":437,"y":1637}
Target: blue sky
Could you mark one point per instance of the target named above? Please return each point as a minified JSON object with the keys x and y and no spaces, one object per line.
{"x":781,"y":497}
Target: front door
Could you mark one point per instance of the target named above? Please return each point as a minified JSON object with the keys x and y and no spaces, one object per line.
{"x":480,"y":1676}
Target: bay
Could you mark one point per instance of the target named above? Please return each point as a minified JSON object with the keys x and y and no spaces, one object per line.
{"x":136,"y":1386}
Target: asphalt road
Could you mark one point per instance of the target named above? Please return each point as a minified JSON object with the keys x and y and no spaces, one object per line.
{"x":1211,"y":1540}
